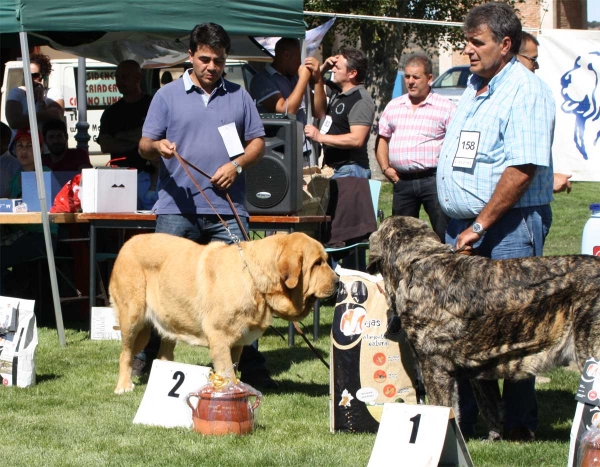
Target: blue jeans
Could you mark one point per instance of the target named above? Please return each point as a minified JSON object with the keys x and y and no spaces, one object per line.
{"x":201,"y":229}
{"x":204,"y":229}
{"x":351,"y":170}
{"x":410,"y":195}
{"x":520,"y":233}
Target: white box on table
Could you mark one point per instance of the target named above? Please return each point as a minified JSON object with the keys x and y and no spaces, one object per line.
{"x":108,"y":190}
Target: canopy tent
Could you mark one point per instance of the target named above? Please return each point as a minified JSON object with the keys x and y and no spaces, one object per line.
{"x":145,"y":25}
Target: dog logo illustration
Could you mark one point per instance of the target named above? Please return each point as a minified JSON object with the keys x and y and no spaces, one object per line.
{"x":581,"y":94}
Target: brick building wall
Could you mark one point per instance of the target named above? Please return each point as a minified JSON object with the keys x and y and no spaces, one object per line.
{"x":571,"y":14}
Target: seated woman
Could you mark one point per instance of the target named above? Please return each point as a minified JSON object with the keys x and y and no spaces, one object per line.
{"x":49,"y":102}
{"x":22,"y":242}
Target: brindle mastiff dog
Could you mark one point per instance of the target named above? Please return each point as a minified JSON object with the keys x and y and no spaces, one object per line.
{"x":485,"y":319}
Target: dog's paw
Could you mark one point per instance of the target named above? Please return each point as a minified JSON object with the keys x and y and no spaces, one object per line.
{"x":120,"y":390}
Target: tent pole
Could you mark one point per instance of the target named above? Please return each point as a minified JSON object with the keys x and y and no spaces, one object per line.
{"x":83,"y":135}
{"x":309,"y":118}
{"x":37,"y":157}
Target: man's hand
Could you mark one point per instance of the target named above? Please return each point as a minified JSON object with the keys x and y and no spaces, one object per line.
{"x":466,"y":239}
{"x":313,"y":133}
{"x":312,"y":64}
{"x":165,"y":148}
{"x":562,"y":183}
{"x":391,"y":175}
{"x":224,"y":176}
{"x":329,"y":64}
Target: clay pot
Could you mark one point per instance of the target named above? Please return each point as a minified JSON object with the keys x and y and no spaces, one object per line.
{"x":591,"y":456}
{"x":225,"y":411}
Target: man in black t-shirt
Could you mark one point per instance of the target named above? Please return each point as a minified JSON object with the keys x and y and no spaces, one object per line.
{"x":344,"y":132}
{"x":121,"y":123}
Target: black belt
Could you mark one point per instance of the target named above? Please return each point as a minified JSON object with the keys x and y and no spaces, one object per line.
{"x":417,"y":175}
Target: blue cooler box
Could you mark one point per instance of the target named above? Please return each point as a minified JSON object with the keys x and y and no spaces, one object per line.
{"x":53,"y":182}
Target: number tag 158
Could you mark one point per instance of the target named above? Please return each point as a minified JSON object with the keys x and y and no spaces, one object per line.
{"x":163,"y":403}
{"x":418,"y":435}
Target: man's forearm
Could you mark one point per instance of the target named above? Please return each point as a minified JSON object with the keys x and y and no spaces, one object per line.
{"x":148,"y":148}
{"x":345,"y":141}
{"x":253,"y":153}
{"x":511,"y":187}
{"x":382,"y":153}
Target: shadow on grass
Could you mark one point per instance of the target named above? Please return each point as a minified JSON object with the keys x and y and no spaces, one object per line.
{"x":556,"y":409}
{"x":39,"y":378}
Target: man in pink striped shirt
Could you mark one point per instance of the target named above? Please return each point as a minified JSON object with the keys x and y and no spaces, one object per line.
{"x":411,"y":132}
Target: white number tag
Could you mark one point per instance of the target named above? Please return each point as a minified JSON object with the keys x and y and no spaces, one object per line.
{"x":326,"y":125}
{"x":418,"y":435}
{"x":163,"y":403}
{"x":467,"y":149}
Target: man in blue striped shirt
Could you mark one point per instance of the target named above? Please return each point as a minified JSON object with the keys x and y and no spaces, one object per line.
{"x":495,"y":173}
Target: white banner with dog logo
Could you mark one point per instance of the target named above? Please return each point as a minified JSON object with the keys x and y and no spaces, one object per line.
{"x":419,"y":436}
{"x":169,"y":383}
{"x":570,"y":64}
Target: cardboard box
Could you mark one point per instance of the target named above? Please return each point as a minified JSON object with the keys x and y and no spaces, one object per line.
{"x":53,"y":182}
{"x":107,"y":189}
{"x":10,"y":205}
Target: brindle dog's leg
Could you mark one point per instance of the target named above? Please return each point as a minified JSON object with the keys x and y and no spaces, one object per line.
{"x":491,"y":407}
{"x":439,"y":385}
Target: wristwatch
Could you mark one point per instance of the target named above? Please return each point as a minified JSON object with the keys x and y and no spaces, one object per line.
{"x":238,"y":167}
{"x":478,"y":229}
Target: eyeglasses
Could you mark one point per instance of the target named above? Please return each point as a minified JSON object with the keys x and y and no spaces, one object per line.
{"x":533,"y":60}
{"x":37,"y":76}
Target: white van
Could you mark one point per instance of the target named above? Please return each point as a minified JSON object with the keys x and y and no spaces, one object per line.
{"x":101,"y":92}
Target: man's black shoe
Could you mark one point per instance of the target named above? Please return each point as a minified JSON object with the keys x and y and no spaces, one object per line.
{"x":260,"y":379}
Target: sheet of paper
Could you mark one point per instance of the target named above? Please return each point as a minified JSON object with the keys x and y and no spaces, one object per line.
{"x":231,"y":139}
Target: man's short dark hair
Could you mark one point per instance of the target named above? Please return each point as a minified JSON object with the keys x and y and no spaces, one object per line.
{"x":500,"y":19}
{"x":420,"y":59}
{"x":527,"y":37}
{"x":286,"y":43}
{"x":356,"y":61}
{"x":211,"y":35}
{"x":54,"y":124}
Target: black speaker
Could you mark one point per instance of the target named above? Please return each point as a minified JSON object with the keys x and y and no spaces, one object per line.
{"x":274,"y":185}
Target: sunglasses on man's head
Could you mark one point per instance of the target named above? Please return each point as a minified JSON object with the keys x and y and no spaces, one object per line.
{"x":37,"y":76}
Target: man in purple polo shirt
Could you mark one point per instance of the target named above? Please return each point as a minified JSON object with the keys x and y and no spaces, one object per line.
{"x":196,"y":116}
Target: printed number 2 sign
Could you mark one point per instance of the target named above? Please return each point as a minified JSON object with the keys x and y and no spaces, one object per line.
{"x":163,"y":403}
{"x":418,"y":435}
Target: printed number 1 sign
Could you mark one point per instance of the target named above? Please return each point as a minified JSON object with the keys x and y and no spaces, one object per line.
{"x":163,"y":403}
{"x":418,"y":435}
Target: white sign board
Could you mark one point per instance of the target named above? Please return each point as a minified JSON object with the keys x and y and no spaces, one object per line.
{"x":570,"y":64}
{"x":104,"y":324}
{"x":418,"y":435}
{"x":164,"y":403}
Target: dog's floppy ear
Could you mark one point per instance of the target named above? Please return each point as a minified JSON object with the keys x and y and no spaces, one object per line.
{"x":289,"y":266}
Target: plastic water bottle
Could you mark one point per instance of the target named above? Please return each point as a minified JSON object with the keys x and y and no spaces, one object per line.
{"x":590,"y":243}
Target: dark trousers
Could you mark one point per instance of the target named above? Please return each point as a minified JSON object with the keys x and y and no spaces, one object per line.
{"x":410,"y":195}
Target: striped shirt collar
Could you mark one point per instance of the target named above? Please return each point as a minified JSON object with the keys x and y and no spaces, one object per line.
{"x":190,"y":86}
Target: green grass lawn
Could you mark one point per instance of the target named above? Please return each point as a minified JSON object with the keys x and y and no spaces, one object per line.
{"x":72,"y":418}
